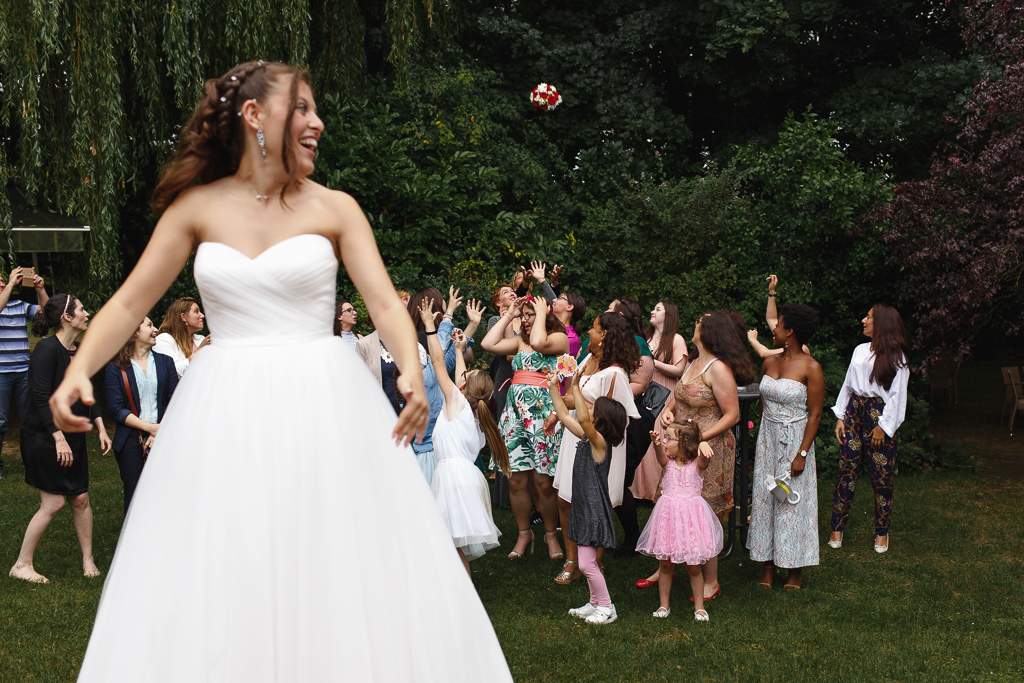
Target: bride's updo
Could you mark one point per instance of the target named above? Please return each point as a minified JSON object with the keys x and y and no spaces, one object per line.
{"x":213,"y":141}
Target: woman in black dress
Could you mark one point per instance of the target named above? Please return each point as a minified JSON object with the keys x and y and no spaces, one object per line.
{"x":56,"y":463}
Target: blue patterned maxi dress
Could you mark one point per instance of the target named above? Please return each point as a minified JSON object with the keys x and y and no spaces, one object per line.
{"x":783,"y":533}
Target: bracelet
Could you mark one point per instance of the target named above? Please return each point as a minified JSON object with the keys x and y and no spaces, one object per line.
{"x":771,"y":293}
{"x":446,"y":316}
{"x":430,"y":333}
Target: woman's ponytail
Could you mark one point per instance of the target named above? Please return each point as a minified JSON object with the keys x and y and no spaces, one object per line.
{"x":50,"y":315}
{"x":479,"y":388}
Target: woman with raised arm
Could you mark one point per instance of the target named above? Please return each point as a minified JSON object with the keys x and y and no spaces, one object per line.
{"x":463,"y":427}
{"x":423,"y":447}
{"x":532,"y":453}
{"x":785,"y":533}
{"x":707,"y":394}
{"x":238,"y":560}
{"x":771,"y":317}
{"x":871,"y":406}
{"x":612,"y":356}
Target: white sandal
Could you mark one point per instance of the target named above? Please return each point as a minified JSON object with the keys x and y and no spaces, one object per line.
{"x":661,"y":613}
{"x":837,"y":544}
{"x":701,"y":615}
{"x":882,"y":548}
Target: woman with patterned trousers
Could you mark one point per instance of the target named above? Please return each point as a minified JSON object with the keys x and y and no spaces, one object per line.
{"x":871,"y":408}
{"x":531,"y":452}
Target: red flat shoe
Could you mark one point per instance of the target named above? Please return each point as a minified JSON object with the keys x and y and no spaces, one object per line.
{"x":713,"y":595}
{"x":644,"y":583}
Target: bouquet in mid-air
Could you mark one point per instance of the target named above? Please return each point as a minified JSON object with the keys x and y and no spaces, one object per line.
{"x":545,"y":97}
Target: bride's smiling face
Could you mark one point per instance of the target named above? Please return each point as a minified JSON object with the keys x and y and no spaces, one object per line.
{"x":306,"y":126}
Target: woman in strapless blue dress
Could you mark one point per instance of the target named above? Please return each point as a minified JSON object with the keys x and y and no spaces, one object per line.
{"x":242,"y":556}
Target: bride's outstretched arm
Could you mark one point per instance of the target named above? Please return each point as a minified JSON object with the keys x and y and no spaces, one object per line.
{"x":366,"y":269}
{"x":168,"y":249}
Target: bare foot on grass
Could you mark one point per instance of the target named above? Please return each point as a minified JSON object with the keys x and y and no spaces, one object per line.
{"x":90,"y":569}
{"x":27,"y":573}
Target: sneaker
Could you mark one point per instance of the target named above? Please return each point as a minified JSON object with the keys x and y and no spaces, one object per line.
{"x":603,"y":615}
{"x":583,"y":612}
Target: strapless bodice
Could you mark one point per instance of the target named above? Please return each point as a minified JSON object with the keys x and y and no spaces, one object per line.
{"x":284,"y":295}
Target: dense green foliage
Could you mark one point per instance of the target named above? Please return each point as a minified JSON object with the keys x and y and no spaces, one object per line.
{"x":674,"y":168}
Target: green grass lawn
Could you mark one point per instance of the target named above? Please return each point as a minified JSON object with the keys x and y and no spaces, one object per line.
{"x":945,"y":604}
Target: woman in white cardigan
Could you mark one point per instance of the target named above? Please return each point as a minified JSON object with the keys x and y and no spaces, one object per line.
{"x":179,"y":335}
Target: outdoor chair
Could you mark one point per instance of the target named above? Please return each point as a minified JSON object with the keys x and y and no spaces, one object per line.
{"x":943,"y":378}
{"x":1014,"y":394}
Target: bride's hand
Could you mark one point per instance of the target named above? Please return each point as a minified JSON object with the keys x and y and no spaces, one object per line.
{"x":412,"y":423}
{"x":74,"y":387}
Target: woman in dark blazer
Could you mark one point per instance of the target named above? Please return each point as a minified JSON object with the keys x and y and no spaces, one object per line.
{"x":151,"y":379}
{"x":56,"y":463}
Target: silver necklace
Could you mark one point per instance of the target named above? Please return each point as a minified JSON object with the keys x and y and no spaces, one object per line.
{"x":259,"y":197}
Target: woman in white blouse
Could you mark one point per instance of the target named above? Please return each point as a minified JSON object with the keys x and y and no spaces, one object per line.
{"x":179,"y":335}
{"x":871,"y":408}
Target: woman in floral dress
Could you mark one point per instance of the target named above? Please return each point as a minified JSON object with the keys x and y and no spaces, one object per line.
{"x":531,"y":452}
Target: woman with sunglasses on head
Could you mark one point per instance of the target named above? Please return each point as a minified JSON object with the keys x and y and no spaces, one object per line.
{"x":179,"y":335}
{"x":56,"y":461}
{"x":532,"y":453}
{"x":707,"y":394}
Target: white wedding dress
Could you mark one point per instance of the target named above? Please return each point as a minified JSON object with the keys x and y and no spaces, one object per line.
{"x":277,"y":533}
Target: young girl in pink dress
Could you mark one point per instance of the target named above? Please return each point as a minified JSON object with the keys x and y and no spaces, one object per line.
{"x":682,"y":529}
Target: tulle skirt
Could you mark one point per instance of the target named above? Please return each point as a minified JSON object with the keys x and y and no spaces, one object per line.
{"x":278,"y":535}
{"x":682,"y":531}
{"x":465,"y":503}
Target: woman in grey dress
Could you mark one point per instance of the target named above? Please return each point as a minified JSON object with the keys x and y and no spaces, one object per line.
{"x":785,"y":534}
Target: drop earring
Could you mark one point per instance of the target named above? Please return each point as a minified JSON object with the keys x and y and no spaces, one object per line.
{"x":262,"y":140}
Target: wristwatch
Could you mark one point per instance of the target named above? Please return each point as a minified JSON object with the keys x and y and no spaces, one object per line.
{"x":803,"y":454}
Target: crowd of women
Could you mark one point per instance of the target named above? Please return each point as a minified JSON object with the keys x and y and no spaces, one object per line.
{"x":577,"y":428}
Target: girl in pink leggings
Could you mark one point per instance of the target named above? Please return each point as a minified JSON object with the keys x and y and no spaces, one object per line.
{"x":591,"y":523}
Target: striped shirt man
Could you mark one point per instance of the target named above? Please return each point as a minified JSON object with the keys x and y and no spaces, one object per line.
{"x":14,"y":320}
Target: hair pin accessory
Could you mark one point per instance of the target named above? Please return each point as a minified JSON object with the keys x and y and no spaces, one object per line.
{"x":223,"y":99}
{"x":234,"y":78}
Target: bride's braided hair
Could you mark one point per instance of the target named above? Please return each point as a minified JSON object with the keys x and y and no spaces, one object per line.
{"x":213,"y":141}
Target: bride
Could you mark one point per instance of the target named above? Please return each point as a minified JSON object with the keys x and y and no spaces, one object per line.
{"x":257,"y":547}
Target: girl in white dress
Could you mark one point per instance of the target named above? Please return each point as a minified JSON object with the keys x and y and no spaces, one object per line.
{"x":462,"y":428}
{"x":240,"y":559}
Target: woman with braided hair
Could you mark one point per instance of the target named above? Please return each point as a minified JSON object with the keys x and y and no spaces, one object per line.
{"x":239,"y":559}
